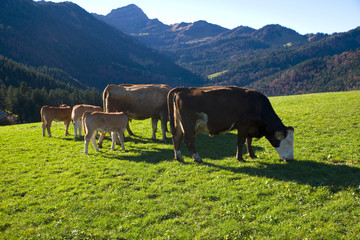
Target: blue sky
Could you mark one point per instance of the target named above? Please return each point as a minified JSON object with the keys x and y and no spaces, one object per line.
{"x":304,"y":16}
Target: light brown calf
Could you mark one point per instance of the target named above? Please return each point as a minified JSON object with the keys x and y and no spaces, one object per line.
{"x":58,"y":114}
{"x":104,"y":122}
{"x":77,"y":113}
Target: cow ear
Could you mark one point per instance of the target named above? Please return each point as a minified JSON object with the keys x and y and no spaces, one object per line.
{"x":279,"y":135}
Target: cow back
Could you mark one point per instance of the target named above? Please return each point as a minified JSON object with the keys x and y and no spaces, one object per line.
{"x":138,"y":101}
{"x":56,"y":113}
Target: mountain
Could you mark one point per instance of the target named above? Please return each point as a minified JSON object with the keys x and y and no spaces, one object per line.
{"x":133,"y":21}
{"x":243,"y":56}
{"x":119,"y":18}
{"x":277,"y":35}
{"x":339,"y":72}
{"x":263,"y":64}
{"x":64,"y":36}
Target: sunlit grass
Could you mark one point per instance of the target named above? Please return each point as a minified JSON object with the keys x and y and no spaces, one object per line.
{"x":50,"y":189}
{"x":218,"y":74}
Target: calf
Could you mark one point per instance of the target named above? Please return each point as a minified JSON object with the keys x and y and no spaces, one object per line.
{"x":59,"y":114}
{"x":104,"y":122}
{"x":77,"y":113}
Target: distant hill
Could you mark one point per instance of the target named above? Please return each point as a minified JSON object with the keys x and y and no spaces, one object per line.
{"x":24,"y":90}
{"x":239,"y":56}
{"x":64,"y":36}
{"x":340,"y":72}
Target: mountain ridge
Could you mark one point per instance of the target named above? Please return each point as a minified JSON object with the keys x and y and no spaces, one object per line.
{"x":65,"y":36}
{"x":243,"y":55}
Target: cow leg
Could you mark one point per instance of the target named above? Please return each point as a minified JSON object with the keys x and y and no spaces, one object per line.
{"x":154,"y":122}
{"x":101,"y":139}
{"x":93,"y":140}
{"x":113,"y":140}
{"x":78,"y":128}
{"x":177,"y":138}
{"x":43,"y":128}
{"x":48,"y":126}
{"x":122,"y":138}
{"x":189,"y":140}
{"x":66,"y":124}
{"x":249,"y":148}
{"x":75,"y":129}
{"x":129,"y":130}
{"x":163,"y":120}
{"x":241,"y":142}
{"x":86,"y":142}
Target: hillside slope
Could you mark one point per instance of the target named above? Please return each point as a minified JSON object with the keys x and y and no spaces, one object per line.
{"x":65,"y":36}
{"x":340,"y":72}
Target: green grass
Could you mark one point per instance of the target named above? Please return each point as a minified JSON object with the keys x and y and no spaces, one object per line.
{"x":49,"y":189}
{"x":218,"y":74}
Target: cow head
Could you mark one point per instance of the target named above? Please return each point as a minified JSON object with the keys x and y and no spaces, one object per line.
{"x":285,"y":149}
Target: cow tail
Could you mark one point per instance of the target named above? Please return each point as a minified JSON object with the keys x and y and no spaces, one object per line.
{"x":105,"y":96}
{"x":73,"y":116}
{"x":170,"y":103}
{"x":83,"y":121}
{"x":42,"y":114}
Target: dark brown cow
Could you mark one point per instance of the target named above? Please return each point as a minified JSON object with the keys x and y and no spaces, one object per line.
{"x":139,"y":102}
{"x":59,"y":114}
{"x":218,"y":109}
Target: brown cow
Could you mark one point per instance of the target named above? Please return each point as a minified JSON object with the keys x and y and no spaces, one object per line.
{"x":218,"y":109}
{"x":77,"y":113}
{"x":139,"y":102}
{"x":104,"y":122}
{"x":58,"y":114}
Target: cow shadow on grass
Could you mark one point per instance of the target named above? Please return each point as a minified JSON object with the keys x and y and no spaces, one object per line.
{"x":152,"y":155}
{"x":214,"y":148}
{"x":219,"y":146}
{"x":147,"y":152}
{"x":307,"y":172}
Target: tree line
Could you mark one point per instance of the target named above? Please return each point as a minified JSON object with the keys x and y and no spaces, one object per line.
{"x":24,"y":90}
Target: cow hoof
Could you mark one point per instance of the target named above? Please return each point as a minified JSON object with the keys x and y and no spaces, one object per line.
{"x":241,"y":160}
{"x":180,"y":160}
{"x":252,"y":156}
{"x":198,"y":160}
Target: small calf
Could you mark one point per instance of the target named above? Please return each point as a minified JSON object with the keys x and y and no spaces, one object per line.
{"x":114,"y":122}
{"x":77,"y":113}
{"x":59,"y":114}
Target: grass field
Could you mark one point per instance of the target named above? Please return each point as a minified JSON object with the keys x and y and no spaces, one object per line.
{"x":49,"y":189}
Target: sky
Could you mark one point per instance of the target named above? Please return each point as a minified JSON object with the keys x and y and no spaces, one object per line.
{"x":303,"y":16}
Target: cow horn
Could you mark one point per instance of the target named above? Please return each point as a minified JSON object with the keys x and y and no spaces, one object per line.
{"x":279,"y":135}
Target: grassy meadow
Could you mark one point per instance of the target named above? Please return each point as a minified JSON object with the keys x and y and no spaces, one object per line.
{"x":49,"y":189}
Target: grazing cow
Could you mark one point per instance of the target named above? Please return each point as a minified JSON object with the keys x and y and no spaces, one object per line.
{"x":77,"y":113}
{"x":139,"y":102}
{"x":59,"y":114}
{"x":218,"y":109}
{"x":104,"y":122}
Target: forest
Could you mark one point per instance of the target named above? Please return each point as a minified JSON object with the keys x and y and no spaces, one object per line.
{"x":24,"y":90}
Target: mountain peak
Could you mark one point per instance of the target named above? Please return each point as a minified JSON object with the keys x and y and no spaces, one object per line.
{"x":129,"y":11}
{"x":275,"y":34}
{"x":129,"y":19}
